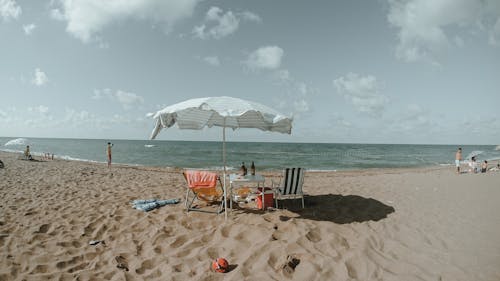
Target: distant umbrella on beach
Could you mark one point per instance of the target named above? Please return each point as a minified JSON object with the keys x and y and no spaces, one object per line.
{"x":18,"y":141}
{"x":474,"y":153}
{"x":225,"y":112}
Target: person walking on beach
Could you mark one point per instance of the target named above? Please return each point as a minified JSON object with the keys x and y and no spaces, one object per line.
{"x":458,"y":158}
{"x":108,"y":152}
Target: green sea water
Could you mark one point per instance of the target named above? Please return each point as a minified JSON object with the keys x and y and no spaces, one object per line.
{"x":267,"y":156}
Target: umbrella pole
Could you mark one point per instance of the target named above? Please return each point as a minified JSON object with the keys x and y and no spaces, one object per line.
{"x":224,"y":161}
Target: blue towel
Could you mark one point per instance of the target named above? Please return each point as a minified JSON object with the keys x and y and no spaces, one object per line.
{"x":138,"y":202}
{"x":150,"y":204}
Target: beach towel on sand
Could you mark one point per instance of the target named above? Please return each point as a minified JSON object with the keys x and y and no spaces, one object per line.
{"x":150,"y":204}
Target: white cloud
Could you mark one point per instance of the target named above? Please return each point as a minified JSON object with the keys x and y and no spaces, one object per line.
{"x":41,"y":109}
{"x":362,"y":92}
{"x":101,"y":43}
{"x":301,"y":105}
{"x":69,"y":121}
{"x":251,"y":17}
{"x":57,"y":15}
{"x":268,"y":57}
{"x":28,"y":28}
{"x":103,"y":93}
{"x":79,"y":118}
{"x":494,"y":36}
{"x":126,"y":99}
{"x":423,"y":24}
{"x":33,"y":116}
{"x":414,"y":118}
{"x":339,"y":121}
{"x":85,"y":120}
{"x":297,"y":95}
{"x":87,"y":17}
{"x":212,"y":60}
{"x":9,"y":9}
{"x":302,"y":88}
{"x":40,"y":78}
{"x":224,"y":24}
{"x":282,"y":76}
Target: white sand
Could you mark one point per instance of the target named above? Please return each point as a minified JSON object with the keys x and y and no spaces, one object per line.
{"x":404,"y":224}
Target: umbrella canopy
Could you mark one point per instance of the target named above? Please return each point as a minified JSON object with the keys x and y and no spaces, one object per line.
{"x":222,"y":112}
{"x":225,"y":112}
{"x":474,"y":153}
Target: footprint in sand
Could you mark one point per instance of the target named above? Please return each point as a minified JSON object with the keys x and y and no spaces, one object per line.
{"x":160,"y":238}
{"x":313,"y":235}
{"x":100,"y":231}
{"x":290,"y":265}
{"x":179,"y":241}
{"x":352,"y":266}
{"x":146,"y":265}
{"x":41,"y":268}
{"x":277,"y":235}
{"x":225,"y":231}
{"x":206,"y":238}
{"x":43,"y":228}
{"x":75,"y":260}
{"x":138,"y":247}
{"x":157,"y":250}
{"x":339,"y":242}
{"x":271,"y":261}
{"x":78,"y":267}
{"x":121,"y":263}
{"x":177,"y":267}
{"x":29,"y":213}
{"x":74,"y":243}
{"x":212,"y":253}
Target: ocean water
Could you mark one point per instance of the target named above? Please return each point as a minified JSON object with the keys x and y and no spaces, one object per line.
{"x":267,"y":156}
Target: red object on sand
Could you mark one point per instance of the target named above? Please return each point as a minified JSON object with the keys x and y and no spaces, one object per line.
{"x":268,"y":199}
{"x":220,"y":265}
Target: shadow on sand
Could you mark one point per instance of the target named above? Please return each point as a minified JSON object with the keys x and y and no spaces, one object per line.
{"x":337,"y":208}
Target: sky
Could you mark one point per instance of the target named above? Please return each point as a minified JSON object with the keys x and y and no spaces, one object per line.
{"x":382,"y":71}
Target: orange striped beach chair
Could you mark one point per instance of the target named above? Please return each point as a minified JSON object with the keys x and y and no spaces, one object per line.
{"x":203,"y":186}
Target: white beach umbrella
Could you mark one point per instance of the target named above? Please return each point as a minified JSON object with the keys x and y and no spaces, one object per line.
{"x":474,"y":153}
{"x":225,"y":112}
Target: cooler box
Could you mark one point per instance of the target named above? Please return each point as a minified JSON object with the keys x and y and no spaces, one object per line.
{"x":268,"y":199}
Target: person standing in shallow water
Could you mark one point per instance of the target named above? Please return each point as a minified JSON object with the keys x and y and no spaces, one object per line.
{"x":458,"y":158}
{"x":108,"y":152}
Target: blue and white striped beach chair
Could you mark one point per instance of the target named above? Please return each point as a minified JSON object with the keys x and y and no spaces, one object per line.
{"x":290,"y":185}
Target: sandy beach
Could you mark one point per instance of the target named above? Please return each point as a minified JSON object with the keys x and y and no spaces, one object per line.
{"x":384,"y":224}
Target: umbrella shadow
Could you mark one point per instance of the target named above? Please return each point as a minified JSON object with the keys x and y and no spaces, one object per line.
{"x":337,"y":208}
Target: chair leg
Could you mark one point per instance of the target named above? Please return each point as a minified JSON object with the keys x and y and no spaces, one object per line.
{"x":221,"y":207}
{"x":303,"y":202}
{"x":191,"y":203}
{"x":187,"y":198}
